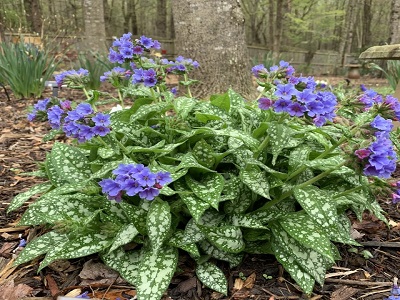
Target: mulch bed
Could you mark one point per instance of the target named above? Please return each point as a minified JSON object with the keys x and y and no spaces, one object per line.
{"x":258,"y":277}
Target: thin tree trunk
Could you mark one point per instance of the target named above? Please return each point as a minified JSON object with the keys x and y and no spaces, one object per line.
{"x":271,"y":21}
{"x":95,"y":31}
{"x":367,"y":17}
{"x":33,"y":13}
{"x":395,"y":23}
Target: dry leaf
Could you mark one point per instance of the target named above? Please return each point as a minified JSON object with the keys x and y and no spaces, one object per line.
{"x":238,"y":285}
{"x":11,"y":292}
{"x":250,"y":280}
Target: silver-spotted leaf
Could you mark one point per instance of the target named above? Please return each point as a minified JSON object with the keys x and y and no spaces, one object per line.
{"x":124,"y":236}
{"x":208,"y":189}
{"x":155,"y":272}
{"x":256,"y":180}
{"x":21,"y":198}
{"x":158,"y":223}
{"x":210,"y":275}
{"x":227,"y":238}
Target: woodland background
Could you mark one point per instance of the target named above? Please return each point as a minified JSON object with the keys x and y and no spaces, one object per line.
{"x":313,"y":33}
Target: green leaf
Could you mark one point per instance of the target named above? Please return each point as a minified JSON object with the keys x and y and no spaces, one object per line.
{"x":256,"y":180}
{"x":234,"y":259}
{"x":235,"y":99}
{"x":150,"y":109}
{"x":320,"y":206}
{"x":304,"y":230}
{"x":155,"y":272}
{"x":247,"y":221}
{"x":137,"y":215}
{"x":76,"y":247}
{"x":124,"y":236}
{"x":189,"y":161}
{"x":126,"y":263}
{"x":290,"y":252}
{"x":55,"y":208}
{"x":204,"y":153}
{"x":208,"y":189}
{"x":279,"y":138}
{"x":222,"y":101}
{"x":67,"y":164}
{"x":39,"y":246}
{"x":158,"y":223}
{"x":211,"y":276}
{"x":226,"y":238}
{"x":192,"y":233}
{"x":52,"y":134}
{"x":177,"y":240}
{"x":21,"y":198}
{"x":184,"y":105}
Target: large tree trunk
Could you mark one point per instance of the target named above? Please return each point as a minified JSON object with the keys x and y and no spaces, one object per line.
{"x":395,"y":23}
{"x":33,"y":15}
{"x":346,"y":41}
{"x":213,"y":33}
{"x":367,"y":17}
{"x":161,"y":20}
{"x":95,"y":31}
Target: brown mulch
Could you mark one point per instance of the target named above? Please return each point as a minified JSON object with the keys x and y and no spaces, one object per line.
{"x":258,"y":277}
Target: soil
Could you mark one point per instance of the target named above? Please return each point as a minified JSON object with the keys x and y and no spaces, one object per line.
{"x":258,"y":277}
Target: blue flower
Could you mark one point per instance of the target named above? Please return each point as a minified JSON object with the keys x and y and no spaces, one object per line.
{"x":100,"y":130}
{"x":146,"y":178}
{"x":146,"y":42}
{"x":149,"y":193}
{"x":163,"y":178}
{"x":382,"y":124}
{"x":285,"y":91}
{"x":259,"y":69}
{"x":281,"y":105}
{"x":84,"y":109}
{"x":132,"y":187}
{"x":295,"y":109}
{"x":101,"y":119}
{"x":54,"y":115}
{"x":110,"y":187}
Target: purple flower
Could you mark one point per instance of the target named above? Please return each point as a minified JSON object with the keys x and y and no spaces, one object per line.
{"x":396,"y":197}
{"x":146,"y":42}
{"x":54,"y":115}
{"x":264,"y":103}
{"x":382,"y":124}
{"x":319,"y":121}
{"x":101,"y":119}
{"x":382,"y":161}
{"x":163,"y":178}
{"x":296,"y":109}
{"x":132,"y":187}
{"x":285,"y":91}
{"x":315,"y":108}
{"x":306,"y":96}
{"x":126,"y":52}
{"x":281,"y":105}
{"x":83,"y":296}
{"x":149,"y":193}
{"x":138,"y":50}
{"x":22,"y":243}
{"x":100,"y":130}
{"x":41,"y":105}
{"x":362,"y":153}
{"x":84,"y":109}
{"x":150,"y":77}
{"x":110,"y":187}
{"x":146,"y":178}
{"x":259,"y":69}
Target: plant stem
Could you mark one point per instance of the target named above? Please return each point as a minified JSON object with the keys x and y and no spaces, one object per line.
{"x":355,"y":189}
{"x":302,"y":185}
{"x":188,"y":88}
{"x":261,"y":147}
{"x":86,"y":93}
{"x":120,"y":98}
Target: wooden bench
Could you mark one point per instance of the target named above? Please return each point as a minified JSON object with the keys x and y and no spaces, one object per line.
{"x":386,"y":52}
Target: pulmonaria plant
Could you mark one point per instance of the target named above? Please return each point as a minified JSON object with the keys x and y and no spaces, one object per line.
{"x":213,"y":179}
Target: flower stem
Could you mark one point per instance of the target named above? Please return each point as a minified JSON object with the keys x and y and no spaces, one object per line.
{"x":188,"y":88}
{"x":261,"y":147}
{"x":120,"y":98}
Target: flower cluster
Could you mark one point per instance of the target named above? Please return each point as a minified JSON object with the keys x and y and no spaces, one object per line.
{"x":81,"y":123}
{"x":296,"y":96}
{"x":116,"y":75}
{"x":39,"y":110}
{"x":180,"y":65}
{"x":134,"y":179}
{"x":147,"y":77}
{"x":388,"y":106}
{"x":379,"y":159}
{"x":125,"y":48}
{"x":396,"y":193}
{"x":73,"y":78}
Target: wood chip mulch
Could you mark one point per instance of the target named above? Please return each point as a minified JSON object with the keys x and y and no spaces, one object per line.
{"x":258,"y":277}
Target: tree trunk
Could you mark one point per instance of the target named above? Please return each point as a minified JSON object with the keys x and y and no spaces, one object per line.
{"x":271,"y":21}
{"x":95,"y":31}
{"x":107,"y":18}
{"x":219,"y":46}
{"x":130,"y":20}
{"x":367,"y":17}
{"x":161,"y":18}
{"x":33,"y":13}
{"x":395,"y":23}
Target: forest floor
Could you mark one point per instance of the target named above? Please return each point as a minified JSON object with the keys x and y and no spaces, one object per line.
{"x":258,"y":277}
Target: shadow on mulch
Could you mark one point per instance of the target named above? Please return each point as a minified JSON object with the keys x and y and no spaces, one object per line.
{"x":258,"y":277}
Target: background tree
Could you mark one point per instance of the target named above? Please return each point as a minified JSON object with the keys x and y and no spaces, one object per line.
{"x":33,"y":13}
{"x":212,"y":32}
{"x":395,"y":23}
{"x":95,"y":31}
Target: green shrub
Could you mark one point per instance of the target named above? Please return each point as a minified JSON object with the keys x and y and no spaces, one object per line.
{"x":275,"y":177}
{"x":25,"y":67}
